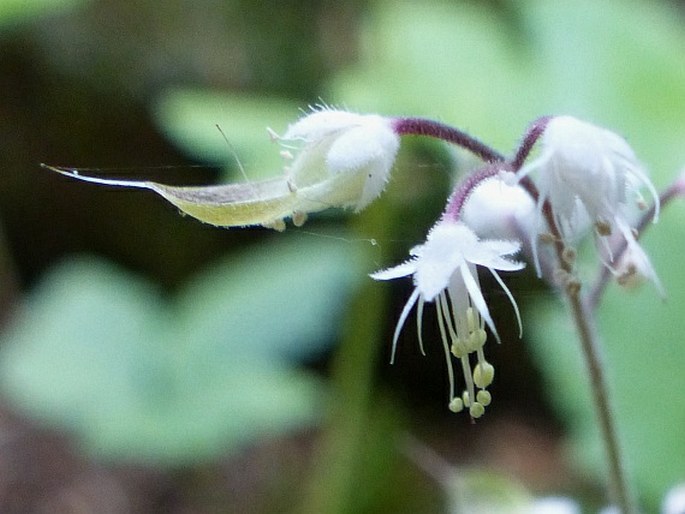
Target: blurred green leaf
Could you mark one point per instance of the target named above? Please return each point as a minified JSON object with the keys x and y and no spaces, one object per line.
{"x":15,"y":11}
{"x":190,"y":118}
{"x":102,"y":353}
{"x":619,"y":63}
{"x":447,"y":60}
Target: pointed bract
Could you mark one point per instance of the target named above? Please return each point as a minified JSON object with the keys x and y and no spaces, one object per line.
{"x":343,"y":159}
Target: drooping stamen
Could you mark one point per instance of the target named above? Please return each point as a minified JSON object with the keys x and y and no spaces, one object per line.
{"x":419,"y":324}
{"x":445,"y":345}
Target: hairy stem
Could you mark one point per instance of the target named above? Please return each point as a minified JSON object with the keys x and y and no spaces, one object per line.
{"x":532,"y":135}
{"x":425,"y":127}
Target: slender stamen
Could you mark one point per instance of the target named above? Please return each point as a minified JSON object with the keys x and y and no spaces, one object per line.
{"x":468,"y":377}
{"x":445,"y":345}
{"x":419,"y":324}
{"x":446,"y":308}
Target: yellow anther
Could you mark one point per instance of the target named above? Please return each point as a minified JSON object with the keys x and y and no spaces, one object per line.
{"x":471,"y":319}
{"x":456,"y":404}
{"x":484,"y":397}
{"x":569,"y":255}
{"x":459,"y":348}
{"x":476,"y":410}
{"x":483,"y":374}
{"x":476,"y":340}
{"x":603,"y":228}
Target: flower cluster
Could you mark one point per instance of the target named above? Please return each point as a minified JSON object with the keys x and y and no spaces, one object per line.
{"x":586,"y":177}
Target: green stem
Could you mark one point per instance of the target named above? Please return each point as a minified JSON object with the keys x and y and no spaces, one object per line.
{"x":340,"y":451}
{"x":591,"y":349}
{"x":584,"y":320}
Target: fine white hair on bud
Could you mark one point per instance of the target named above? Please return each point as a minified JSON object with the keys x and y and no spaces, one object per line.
{"x":348,"y":155}
{"x":587,"y":173}
{"x":444,"y":273}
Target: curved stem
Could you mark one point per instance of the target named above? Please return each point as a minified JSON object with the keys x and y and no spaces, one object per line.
{"x":461,"y":193}
{"x":532,"y":135}
{"x":425,"y":127}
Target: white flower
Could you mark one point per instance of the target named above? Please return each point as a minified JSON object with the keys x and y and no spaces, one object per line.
{"x":346,"y":156}
{"x":674,"y":502}
{"x":498,"y":209}
{"x":343,"y":159}
{"x":587,"y":171}
{"x":444,"y":272}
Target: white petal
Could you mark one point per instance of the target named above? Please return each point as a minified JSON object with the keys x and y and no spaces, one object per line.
{"x":400,"y":323}
{"x":401,"y":270}
{"x":507,"y":291}
{"x":638,"y":257}
{"x":477,"y":299}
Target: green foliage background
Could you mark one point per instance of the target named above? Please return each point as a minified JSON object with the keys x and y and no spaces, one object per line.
{"x":209,"y":359}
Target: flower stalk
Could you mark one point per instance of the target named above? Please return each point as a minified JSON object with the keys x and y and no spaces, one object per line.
{"x":582,"y":313}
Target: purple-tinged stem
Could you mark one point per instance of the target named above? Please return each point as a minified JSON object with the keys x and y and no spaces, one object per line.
{"x":532,"y":135}
{"x":461,"y":193}
{"x":425,"y":127}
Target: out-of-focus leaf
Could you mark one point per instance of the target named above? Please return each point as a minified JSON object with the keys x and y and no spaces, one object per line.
{"x":619,"y":63}
{"x":15,"y":11}
{"x":190,"y":118}
{"x":101,"y":352}
{"x":447,"y":60}
{"x":289,"y":298}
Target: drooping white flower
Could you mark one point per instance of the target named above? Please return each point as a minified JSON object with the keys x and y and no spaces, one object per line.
{"x":499,"y":209}
{"x":340,"y":159}
{"x":444,"y":273}
{"x":587,"y":172}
